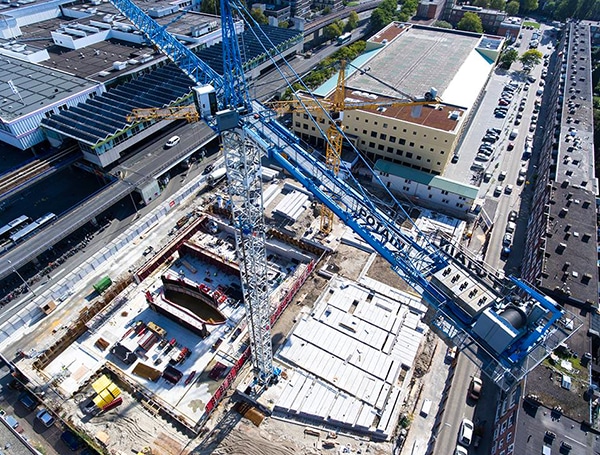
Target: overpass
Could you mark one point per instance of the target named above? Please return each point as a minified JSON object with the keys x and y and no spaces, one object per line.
{"x":140,"y":170}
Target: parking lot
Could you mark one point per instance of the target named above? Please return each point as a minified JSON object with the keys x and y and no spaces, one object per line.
{"x":496,"y":151}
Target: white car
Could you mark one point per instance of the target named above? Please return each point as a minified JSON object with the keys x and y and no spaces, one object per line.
{"x":465,"y":434}
{"x":173,"y":141}
{"x":460,"y":450}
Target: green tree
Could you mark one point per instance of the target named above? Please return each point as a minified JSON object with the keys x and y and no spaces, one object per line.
{"x":332,"y":31}
{"x":529,"y":5}
{"x":512,"y":8}
{"x":258,"y":16}
{"x":352,"y":22}
{"x":508,"y":57}
{"x":498,"y":5}
{"x":379,"y":19}
{"x":442,"y":24}
{"x":482,"y":3}
{"x":531,"y":58}
{"x":470,"y":22}
{"x":210,"y":7}
{"x":565,"y":9}
{"x":283,"y":24}
{"x":326,"y":10}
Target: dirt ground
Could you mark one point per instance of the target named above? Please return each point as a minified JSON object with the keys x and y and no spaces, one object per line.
{"x":380,"y":270}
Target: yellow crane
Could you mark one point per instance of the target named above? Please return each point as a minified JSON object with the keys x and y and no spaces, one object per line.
{"x":336,"y":105}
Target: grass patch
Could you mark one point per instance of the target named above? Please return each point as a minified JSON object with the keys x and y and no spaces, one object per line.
{"x":353,"y":4}
{"x":531,"y":24}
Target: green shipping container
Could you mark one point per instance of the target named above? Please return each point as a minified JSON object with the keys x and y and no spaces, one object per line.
{"x":102,"y":285}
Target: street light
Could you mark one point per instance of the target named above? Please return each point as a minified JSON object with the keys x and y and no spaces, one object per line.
{"x":19,"y":275}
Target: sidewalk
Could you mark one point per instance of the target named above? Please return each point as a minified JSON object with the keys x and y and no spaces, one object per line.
{"x":431,"y":387}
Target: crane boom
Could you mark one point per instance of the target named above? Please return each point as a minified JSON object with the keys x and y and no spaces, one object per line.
{"x":506,"y":324}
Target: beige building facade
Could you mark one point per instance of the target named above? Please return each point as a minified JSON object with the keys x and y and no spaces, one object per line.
{"x":412,"y":59}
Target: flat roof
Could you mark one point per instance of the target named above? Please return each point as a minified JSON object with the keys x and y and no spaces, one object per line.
{"x":418,"y":58}
{"x":350,"y":350}
{"x":435,"y":181}
{"x":36,"y":87}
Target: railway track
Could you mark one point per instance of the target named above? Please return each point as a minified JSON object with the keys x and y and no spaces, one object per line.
{"x":18,"y":177}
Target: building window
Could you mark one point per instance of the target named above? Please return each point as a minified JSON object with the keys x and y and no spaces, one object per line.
{"x":431,"y":149}
{"x":385,"y":125}
{"x":419,"y":157}
{"x":394,"y":128}
{"x":429,"y":188}
{"x":401,"y":141}
{"x":509,"y":436}
{"x":390,"y":149}
{"x":372,"y":145}
{"x":305,"y":126}
{"x":444,"y":192}
{"x":297,"y":124}
{"x":442,"y":152}
{"x":409,"y":155}
{"x":380,"y":146}
{"x":373,"y":133}
{"x":362,"y":142}
{"x":399,"y":152}
{"x":428,"y":160}
{"x":430,"y":196}
{"x":406,"y":188}
{"x":511,"y":448}
{"x":404,"y":130}
{"x":414,"y":133}
{"x":392,"y":139}
{"x":375,"y":123}
{"x":411,"y":144}
{"x":503,"y":427}
{"x":406,"y":181}
{"x":305,"y":116}
{"x":355,"y":129}
{"x":366,"y":120}
{"x":511,"y":418}
{"x":383,"y":137}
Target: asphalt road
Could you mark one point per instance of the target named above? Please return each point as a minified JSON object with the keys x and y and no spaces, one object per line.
{"x":139,"y":170}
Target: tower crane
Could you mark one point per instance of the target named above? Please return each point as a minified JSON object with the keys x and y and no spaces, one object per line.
{"x":336,"y":105}
{"x":504,"y":323}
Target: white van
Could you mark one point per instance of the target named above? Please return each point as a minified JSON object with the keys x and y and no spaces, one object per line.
{"x":510,"y":227}
{"x":173,"y":141}
{"x":426,"y":408}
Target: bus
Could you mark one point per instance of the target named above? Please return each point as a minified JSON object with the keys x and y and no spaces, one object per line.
{"x":344,"y":38}
{"x":13,"y":226}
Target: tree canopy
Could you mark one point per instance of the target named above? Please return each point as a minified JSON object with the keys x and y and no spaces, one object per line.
{"x":529,"y":5}
{"x":258,"y":16}
{"x":442,"y":24}
{"x":512,"y":8}
{"x":352,"y":22}
{"x":508,"y":57}
{"x":498,"y":5}
{"x":470,"y":22}
{"x":531,"y":58}
{"x":388,"y":11}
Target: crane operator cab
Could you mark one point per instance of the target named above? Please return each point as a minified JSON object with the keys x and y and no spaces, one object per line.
{"x":205,"y":98}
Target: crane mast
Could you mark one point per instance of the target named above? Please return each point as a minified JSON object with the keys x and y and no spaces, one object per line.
{"x":506,"y":324}
{"x":242,"y":162}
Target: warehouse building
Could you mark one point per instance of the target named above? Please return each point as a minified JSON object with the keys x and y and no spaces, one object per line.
{"x":415,"y":60}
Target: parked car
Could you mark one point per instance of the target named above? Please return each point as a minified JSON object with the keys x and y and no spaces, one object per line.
{"x":502,"y":175}
{"x":520,"y":180}
{"x":28,"y":401}
{"x":465,"y":434}
{"x":508,"y":189}
{"x":510,"y":146}
{"x":498,"y":191}
{"x":507,"y":239}
{"x":45,"y":417}
{"x":475,"y":388}
{"x":460,"y":450}
{"x":482,"y":157}
{"x":512,"y":216}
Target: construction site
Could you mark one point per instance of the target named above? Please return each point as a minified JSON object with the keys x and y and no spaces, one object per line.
{"x":166,"y":344}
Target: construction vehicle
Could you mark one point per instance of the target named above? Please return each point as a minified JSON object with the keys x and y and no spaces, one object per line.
{"x":504,"y":324}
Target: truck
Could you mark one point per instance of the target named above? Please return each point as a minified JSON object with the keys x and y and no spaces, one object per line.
{"x":102,"y":285}
{"x":216,"y":176}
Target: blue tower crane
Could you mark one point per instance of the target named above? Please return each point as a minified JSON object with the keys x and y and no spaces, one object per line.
{"x":504,"y":324}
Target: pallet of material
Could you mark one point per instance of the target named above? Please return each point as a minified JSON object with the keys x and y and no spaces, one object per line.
{"x":102,"y":344}
{"x":147,"y":372}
